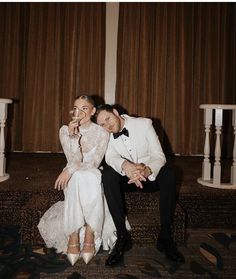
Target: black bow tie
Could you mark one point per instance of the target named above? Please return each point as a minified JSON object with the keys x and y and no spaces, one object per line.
{"x":123,"y":132}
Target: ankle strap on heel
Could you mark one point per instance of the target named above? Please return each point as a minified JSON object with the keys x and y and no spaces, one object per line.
{"x":92,"y":245}
{"x":73,"y":245}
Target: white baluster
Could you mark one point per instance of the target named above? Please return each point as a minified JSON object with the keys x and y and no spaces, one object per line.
{"x":3,"y":116}
{"x":233,"y":167}
{"x":206,"y":165}
{"x":217,"y":164}
{"x":205,"y":179}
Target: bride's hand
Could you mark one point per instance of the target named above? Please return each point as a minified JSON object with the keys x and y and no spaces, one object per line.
{"x":62,"y":180}
{"x":73,"y":127}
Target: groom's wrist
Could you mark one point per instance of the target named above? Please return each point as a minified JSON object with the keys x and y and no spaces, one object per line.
{"x":150,"y":172}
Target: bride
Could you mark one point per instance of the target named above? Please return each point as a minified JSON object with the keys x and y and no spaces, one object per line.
{"x":79,"y":225}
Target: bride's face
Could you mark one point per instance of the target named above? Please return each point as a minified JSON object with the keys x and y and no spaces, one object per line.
{"x":86,"y":110}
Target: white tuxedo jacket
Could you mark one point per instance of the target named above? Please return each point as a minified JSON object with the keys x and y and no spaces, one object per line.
{"x":143,"y":146}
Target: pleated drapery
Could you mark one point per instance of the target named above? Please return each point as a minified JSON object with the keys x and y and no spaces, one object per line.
{"x":172,"y":57}
{"x":49,"y":53}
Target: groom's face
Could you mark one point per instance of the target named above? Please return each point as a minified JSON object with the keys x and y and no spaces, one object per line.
{"x":110,"y":121}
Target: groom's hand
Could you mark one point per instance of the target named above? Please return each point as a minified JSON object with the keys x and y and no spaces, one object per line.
{"x":129,"y":168}
{"x":133,"y":172}
{"x":144,"y":170}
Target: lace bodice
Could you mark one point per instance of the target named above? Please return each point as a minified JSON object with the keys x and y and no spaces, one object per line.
{"x":93,"y":143}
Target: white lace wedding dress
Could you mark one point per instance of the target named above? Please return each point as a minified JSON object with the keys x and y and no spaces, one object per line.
{"x":84,"y":200}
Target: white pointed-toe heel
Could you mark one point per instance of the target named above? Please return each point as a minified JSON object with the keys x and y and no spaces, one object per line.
{"x":73,"y":258}
{"x":87,"y":256}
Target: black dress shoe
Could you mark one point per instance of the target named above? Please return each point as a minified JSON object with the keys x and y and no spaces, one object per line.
{"x":168,"y":247}
{"x":123,"y":244}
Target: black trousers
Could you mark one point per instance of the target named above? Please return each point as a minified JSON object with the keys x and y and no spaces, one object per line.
{"x":115,"y":186}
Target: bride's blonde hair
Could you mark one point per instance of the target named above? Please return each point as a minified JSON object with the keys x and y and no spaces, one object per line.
{"x":86,"y":98}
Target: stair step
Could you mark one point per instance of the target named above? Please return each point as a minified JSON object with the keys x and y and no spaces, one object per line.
{"x":143,"y":215}
{"x":26,"y":209}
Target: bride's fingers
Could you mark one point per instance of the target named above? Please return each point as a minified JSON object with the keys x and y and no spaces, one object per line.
{"x":63,"y":184}
{"x":56,"y":184}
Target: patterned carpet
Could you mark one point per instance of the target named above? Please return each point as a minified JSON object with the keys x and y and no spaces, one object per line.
{"x":208,"y":254}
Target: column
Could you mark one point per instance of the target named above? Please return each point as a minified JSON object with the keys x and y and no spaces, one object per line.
{"x":112,"y":18}
{"x":3,"y":117}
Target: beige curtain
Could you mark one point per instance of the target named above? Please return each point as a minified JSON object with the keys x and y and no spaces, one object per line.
{"x":49,"y":53}
{"x":172,"y":57}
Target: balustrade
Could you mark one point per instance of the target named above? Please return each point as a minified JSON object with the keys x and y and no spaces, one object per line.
{"x":206,"y":179}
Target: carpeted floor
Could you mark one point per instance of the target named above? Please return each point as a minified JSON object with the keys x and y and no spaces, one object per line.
{"x":208,"y":254}
{"x":210,"y":249}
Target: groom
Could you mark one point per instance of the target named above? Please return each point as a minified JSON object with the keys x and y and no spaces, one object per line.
{"x":136,"y":162}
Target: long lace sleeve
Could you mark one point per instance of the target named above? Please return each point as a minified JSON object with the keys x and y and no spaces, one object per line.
{"x":71,"y":149}
{"x":94,"y":143}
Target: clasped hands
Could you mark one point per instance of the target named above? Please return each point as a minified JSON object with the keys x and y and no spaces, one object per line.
{"x":136,"y":172}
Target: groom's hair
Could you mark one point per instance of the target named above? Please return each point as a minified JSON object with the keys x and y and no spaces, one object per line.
{"x":103,"y":107}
